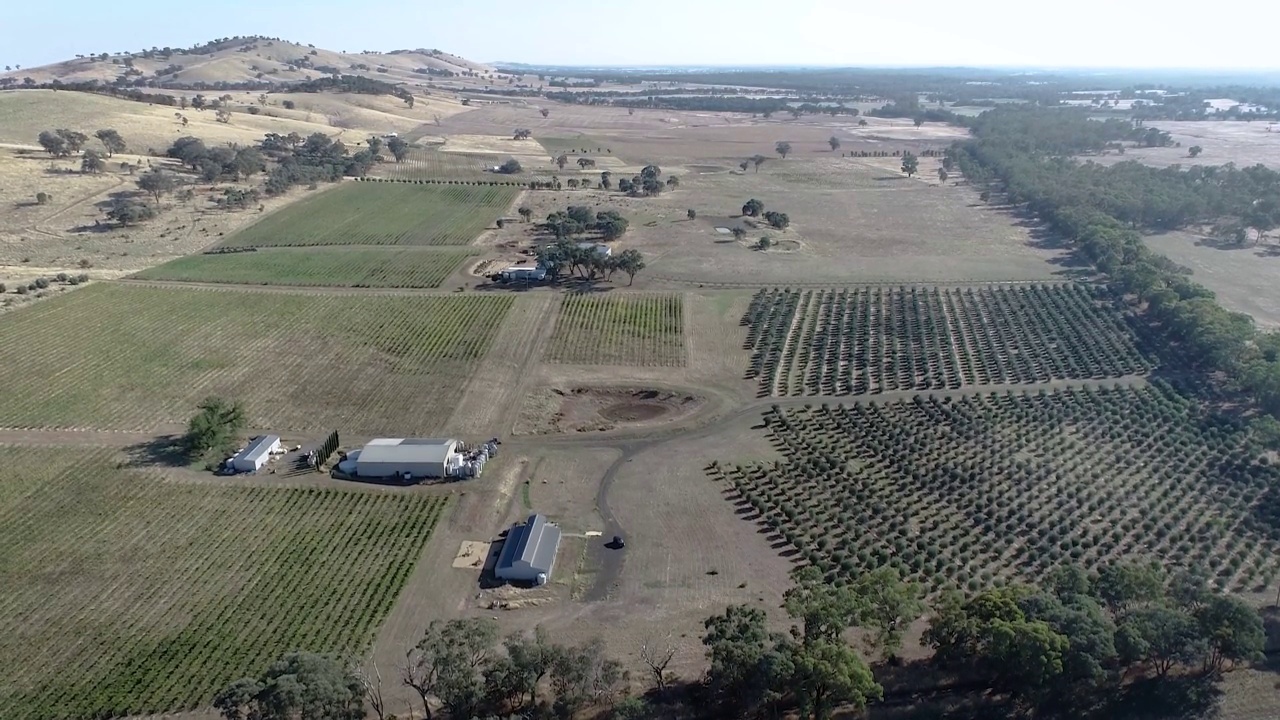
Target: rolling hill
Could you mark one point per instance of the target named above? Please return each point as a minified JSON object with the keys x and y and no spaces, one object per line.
{"x":252,"y":59}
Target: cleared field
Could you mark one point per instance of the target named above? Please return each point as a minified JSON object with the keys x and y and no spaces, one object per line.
{"x":1243,"y":277}
{"x":123,"y":594}
{"x":644,"y":330}
{"x":870,"y":340}
{"x":372,"y":213}
{"x":1004,"y":486}
{"x":432,"y":164}
{"x":333,"y":267}
{"x":584,"y":145}
{"x":24,"y":113}
{"x":139,"y":358}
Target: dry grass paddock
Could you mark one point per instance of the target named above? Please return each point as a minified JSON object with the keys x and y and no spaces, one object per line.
{"x":71,"y":229}
{"x":1242,"y":143}
{"x":1242,"y":276}
{"x":852,"y":220}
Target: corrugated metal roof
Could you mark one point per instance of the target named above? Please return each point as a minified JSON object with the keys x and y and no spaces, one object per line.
{"x":434,"y":450}
{"x":259,"y":448}
{"x":534,"y":543}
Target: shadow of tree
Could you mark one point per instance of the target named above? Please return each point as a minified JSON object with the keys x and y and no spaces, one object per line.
{"x":163,"y":450}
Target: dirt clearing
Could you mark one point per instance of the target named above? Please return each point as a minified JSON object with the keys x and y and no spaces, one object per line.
{"x":600,"y":409}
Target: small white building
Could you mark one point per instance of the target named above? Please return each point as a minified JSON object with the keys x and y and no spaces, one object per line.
{"x":520,"y":273}
{"x":256,"y":454}
{"x":408,"y":458}
{"x":600,"y":248}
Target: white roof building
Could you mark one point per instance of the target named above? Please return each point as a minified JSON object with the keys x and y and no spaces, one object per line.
{"x":256,"y":454}
{"x":412,"y":457}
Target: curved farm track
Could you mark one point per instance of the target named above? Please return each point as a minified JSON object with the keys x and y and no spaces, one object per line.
{"x":610,"y":561}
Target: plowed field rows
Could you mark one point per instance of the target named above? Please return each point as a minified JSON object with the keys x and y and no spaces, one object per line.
{"x":136,"y":358}
{"x":123,"y":594}
{"x":621,"y":330}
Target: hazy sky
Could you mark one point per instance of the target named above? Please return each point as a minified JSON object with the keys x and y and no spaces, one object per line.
{"x":1057,"y":33}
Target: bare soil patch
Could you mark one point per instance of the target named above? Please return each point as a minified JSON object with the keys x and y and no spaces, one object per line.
{"x":472,"y":554}
{"x":598,"y":409}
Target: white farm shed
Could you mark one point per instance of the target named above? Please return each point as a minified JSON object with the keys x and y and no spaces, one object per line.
{"x":415,"y":457}
{"x":256,"y":454}
{"x":600,"y":248}
{"x":529,"y":552}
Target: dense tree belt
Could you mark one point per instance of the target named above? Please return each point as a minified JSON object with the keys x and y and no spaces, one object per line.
{"x":1102,"y":211}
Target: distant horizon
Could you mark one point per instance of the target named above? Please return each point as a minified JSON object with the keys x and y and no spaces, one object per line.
{"x":1087,"y":35}
{"x":1083,"y":69}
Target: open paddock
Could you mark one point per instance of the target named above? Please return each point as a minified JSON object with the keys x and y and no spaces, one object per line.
{"x":128,"y":357}
{"x":1242,"y":143}
{"x":1243,"y":277}
{"x":124,"y":593}
{"x":853,"y":220}
{"x":71,"y":233}
{"x":431,"y":163}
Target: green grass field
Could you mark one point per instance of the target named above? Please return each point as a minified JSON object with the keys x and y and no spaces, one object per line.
{"x":372,"y":213}
{"x":122,"y":593}
{"x":141,"y":358}
{"x":620,"y":330}
{"x":375,"y":267}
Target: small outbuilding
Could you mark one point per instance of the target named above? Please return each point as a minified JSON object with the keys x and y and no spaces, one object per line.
{"x":600,"y":248}
{"x":256,"y":454}
{"x":518,"y":273}
{"x":529,"y":553}
{"x":410,"y":458}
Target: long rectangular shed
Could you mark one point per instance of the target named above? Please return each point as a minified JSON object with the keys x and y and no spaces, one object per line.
{"x":529,"y":553}
{"x":415,"y":457}
{"x":255,"y":454}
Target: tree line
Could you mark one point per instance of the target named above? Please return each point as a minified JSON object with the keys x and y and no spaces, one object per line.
{"x":1101,"y":211}
{"x":1076,"y":641}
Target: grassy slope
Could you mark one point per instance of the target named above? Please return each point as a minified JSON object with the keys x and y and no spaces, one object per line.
{"x":334,"y":267}
{"x":381,"y":214}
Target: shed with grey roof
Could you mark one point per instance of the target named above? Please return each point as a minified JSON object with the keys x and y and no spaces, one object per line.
{"x":412,"y":457}
{"x":529,"y":553}
{"x":255,"y":454}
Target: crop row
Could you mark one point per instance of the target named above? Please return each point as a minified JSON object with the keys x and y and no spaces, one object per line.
{"x":381,"y":214}
{"x":127,"y":594}
{"x":645,"y":330}
{"x":871,"y":340}
{"x":329,"y":266}
{"x":993,"y":486}
{"x":138,"y":358}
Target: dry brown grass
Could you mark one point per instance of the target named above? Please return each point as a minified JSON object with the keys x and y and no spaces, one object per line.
{"x":268,"y":57}
{"x":24,"y":113}
{"x":58,"y":236}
